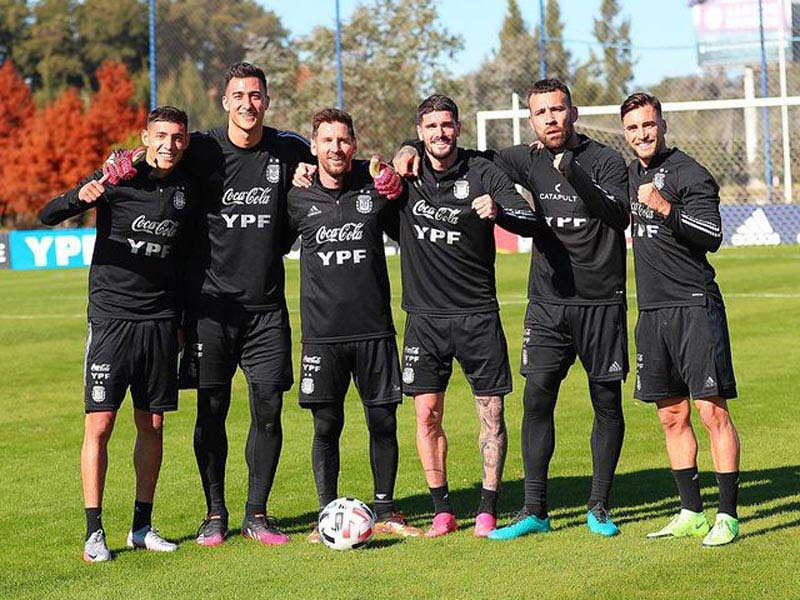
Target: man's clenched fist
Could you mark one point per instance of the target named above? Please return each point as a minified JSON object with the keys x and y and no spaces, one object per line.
{"x":485,"y":207}
{"x":650,"y":196}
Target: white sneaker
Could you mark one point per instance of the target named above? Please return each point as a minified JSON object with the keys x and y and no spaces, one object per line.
{"x":147,"y":537}
{"x":95,"y":548}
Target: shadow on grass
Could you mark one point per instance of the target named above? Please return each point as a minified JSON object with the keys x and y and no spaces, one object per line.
{"x":645,"y":494}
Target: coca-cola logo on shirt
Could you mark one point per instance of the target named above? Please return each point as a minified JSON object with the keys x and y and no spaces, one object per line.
{"x":257,"y":195}
{"x":166,"y":228}
{"x":437,"y":213}
{"x":349,"y":232}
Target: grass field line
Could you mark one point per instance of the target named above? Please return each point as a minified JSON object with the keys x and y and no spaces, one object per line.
{"x":507,"y":300}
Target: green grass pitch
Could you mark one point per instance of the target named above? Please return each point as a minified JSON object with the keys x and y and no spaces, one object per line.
{"x":42,"y":330}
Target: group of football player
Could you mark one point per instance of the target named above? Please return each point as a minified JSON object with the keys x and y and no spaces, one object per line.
{"x":189,"y":259}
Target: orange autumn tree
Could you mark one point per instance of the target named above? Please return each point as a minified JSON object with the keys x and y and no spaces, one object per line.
{"x":16,"y":107}
{"x":64,"y":141}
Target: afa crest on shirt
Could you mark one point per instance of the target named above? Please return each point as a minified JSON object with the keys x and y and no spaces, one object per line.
{"x":364,"y":204}
{"x":658,"y":180}
{"x":273,"y":172}
{"x":307,"y":385}
{"x":461,"y":189}
{"x":179,"y":200}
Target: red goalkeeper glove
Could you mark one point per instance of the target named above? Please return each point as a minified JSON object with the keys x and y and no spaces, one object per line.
{"x":387,"y":182}
{"x":119,"y":165}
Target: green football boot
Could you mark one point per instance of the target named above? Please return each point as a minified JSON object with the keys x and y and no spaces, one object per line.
{"x":725,"y":531}
{"x":685,"y":524}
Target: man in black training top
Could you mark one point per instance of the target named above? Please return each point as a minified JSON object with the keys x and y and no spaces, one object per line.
{"x":447,"y":261}
{"x":239,"y":314}
{"x":133,"y":313}
{"x":346,"y":313}
{"x":682,"y":343}
{"x":576,"y":292}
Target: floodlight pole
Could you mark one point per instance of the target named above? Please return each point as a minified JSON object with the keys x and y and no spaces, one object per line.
{"x":153,"y":74}
{"x":765,"y":111}
{"x":542,"y":42}
{"x":339,"y":86}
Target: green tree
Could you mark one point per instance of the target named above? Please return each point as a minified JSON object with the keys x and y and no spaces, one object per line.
{"x":615,"y":66}
{"x":559,"y":59}
{"x":51,"y":54}
{"x":14,"y":23}
{"x":393,"y":54}
{"x":184,"y":88}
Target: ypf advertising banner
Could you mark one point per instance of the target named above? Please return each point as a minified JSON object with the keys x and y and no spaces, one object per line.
{"x":51,"y":249}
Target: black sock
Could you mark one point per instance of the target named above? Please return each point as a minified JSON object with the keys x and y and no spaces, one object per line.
{"x":328,"y":424}
{"x":383,"y":454}
{"x":728,"y":493}
{"x":251,"y":510}
{"x":608,"y":431}
{"x":538,"y":437}
{"x":688,"y":482}
{"x":488,"y":502}
{"x":264,"y":441}
{"x":441,"y":500}
{"x":93,"y":520}
{"x":211,"y":445}
{"x":142,"y":514}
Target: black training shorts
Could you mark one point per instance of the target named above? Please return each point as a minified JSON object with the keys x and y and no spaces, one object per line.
{"x":326,"y":370}
{"x":139,"y":354}
{"x":556,"y":334}
{"x":684,"y":351}
{"x":478,"y":343}
{"x":219,"y":340}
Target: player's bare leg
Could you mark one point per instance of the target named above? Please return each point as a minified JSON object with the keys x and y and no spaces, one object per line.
{"x":675,"y":417}
{"x":147,"y":455}
{"x":724,"y":437}
{"x":493,"y":442}
{"x":98,"y":427}
{"x":432,"y":450}
{"x":725,"y":451}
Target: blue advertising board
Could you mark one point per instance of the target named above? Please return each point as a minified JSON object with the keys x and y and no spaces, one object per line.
{"x":745,"y":225}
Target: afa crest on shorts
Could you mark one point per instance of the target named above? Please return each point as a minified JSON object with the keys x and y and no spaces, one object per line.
{"x":307,"y":385}
{"x":273,"y":172}
{"x":364,"y":204}
{"x":408,"y":375}
{"x":461,"y":189}
{"x":179,"y":200}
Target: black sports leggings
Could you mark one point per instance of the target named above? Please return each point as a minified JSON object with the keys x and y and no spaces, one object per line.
{"x":383,"y":452}
{"x":538,"y":437}
{"x":263,"y":449}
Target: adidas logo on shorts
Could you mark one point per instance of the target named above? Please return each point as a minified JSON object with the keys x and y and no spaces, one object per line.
{"x":614,"y":368}
{"x":709,"y":383}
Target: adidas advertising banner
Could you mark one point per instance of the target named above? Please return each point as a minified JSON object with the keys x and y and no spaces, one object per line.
{"x":4,"y":252}
{"x":745,"y":225}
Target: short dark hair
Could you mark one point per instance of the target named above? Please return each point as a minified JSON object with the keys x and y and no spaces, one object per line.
{"x":545,"y":86}
{"x":168,"y":113}
{"x":332,"y":115}
{"x":638,"y":100}
{"x":240,"y":70}
{"x":436,"y":103}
